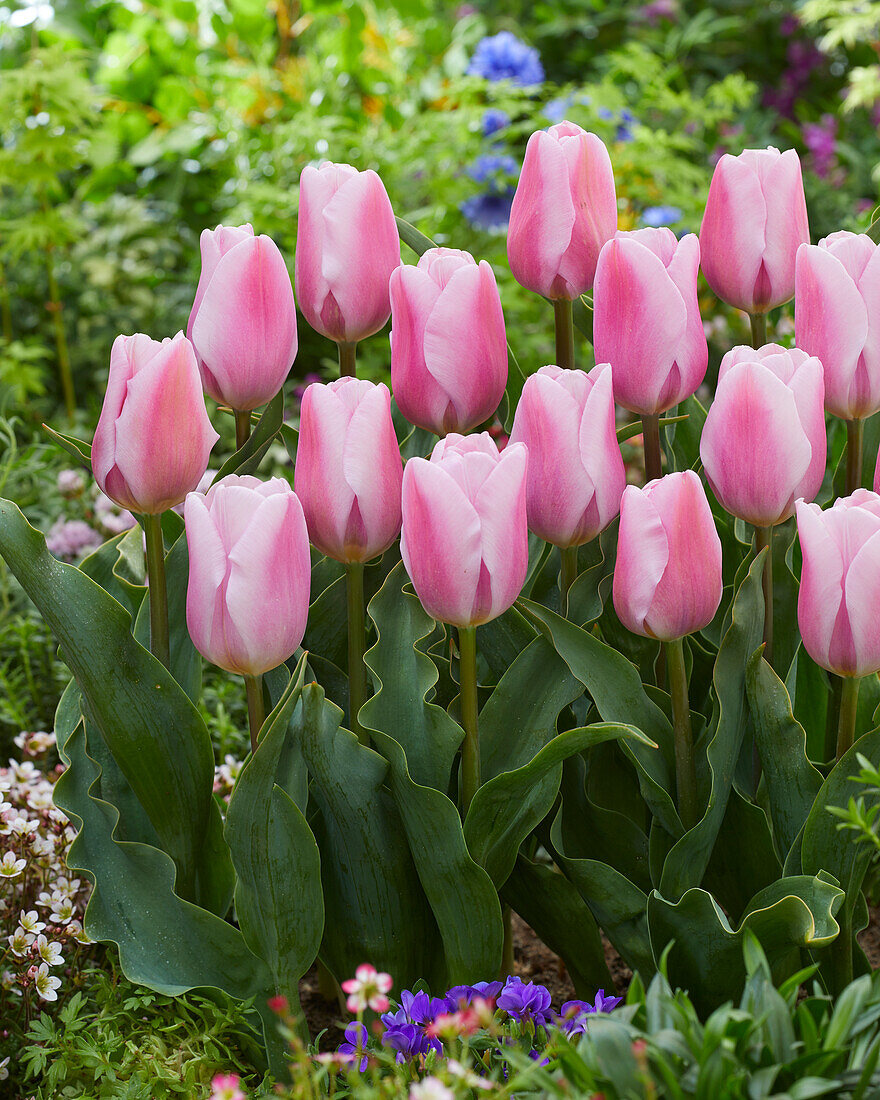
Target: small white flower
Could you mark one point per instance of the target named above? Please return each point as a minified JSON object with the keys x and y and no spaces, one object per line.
{"x":76,"y":931}
{"x":4,"y":1072}
{"x":31,"y":922}
{"x":40,"y":799}
{"x":49,"y":951}
{"x":46,"y":984}
{"x":10,"y":867}
{"x":62,"y":911}
{"x":19,"y":826}
{"x":44,"y":899}
{"x":431,"y":1088}
{"x":66,"y":888}
{"x":20,"y":942}
{"x":43,"y":847}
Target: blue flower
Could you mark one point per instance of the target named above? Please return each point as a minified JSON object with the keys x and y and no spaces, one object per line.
{"x":504,"y":57}
{"x":624,"y":129}
{"x":525,"y":1001}
{"x":657,"y":216}
{"x":489,"y":211}
{"x":494,"y":120}
{"x":491,"y":166}
{"x":355,"y":1044}
{"x":557,"y":109}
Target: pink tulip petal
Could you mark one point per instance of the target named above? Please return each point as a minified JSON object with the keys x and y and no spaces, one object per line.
{"x":861,"y":601}
{"x":419,"y":396}
{"x":207,"y":572}
{"x":501,"y":507}
{"x":591,"y":180}
{"x":122,"y":358}
{"x":821,"y":588}
{"x":642,"y":557}
{"x":787,"y":226}
{"x":732,"y":235}
{"x":319,"y":482}
{"x":372,"y":467}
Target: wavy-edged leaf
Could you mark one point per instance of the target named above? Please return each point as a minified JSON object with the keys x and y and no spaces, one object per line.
{"x":118,"y":567}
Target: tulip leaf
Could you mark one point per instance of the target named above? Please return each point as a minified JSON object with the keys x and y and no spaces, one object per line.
{"x":118,"y":567}
{"x":582,"y":316}
{"x":77,"y":448}
{"x":682,"y":441}
{"x":873,"y":231}
{"x":412,"y":237}
{"x":247,"y":458}
{"x":154,"y":732}
{"x":732,"y":879}
{"x":629,"y":431}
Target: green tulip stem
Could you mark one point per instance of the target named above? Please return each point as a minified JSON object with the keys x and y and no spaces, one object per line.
{"x":849,"y":703}
{"x":764,"y":537}
{"x":855,"y":430}
{"x":758,"y":322}
{"x":347,"y":360}
{"x":158,"y":593}
{"x":685,"y":768}
{"x":357,"y":670}
{"x":653,"y":456}
{"x":470,"y":748}
{"x":242,"y":427}
{"x":568,"y":569}
{"x":564,"y":323}
{"x":256,"y":708}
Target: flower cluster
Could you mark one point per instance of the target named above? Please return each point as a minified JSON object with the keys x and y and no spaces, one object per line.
{"x":503,"y":56}
{"x":95,"y":517}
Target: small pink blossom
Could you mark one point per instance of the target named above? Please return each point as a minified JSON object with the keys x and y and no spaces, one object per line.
{"x":367,"y":989}
{"x":224,"y":1086}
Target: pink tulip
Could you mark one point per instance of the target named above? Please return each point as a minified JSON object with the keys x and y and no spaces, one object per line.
{"x":249,"y":573}
{"x":348,"y":469}
{"x":667,"y":579}
{"x":755,"y":221}
{"x":465,"y":541}
{"x":153,"y":437}
{"x":840,"y":583}
{"x":837,"y":319}
{"x":347,"y":246}
{"x":564,"y":210}
{"x":448,"y":345}
{"x":576,"y":472}
{"x":763,"y":443}
{"x":214,"y":244}
{"x":243,"y":321}
{"x":646,"y":319}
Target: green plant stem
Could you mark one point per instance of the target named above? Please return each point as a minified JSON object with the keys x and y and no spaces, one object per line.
{"x":568,"y":567}
{"x":158,"y":594}
{"x":849,"y":703}
{"x":470,"y":749}
{"x":256,"y":708}
{"x":563,"y":318}
{"x":855,"y":430}
{"x":242,"y":427}
{"x":5,"y":307}
{"x":685,"y":767}
{"x":758,"y":322}
{"x":507,"y":959}
{"x":54,"y":306}
{"x":357,"y":671}
{"x":764,"y":537}
{"x":347,"y":360}
{"x":651,"y":439}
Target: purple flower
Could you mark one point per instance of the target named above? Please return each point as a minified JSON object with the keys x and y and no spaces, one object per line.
{"x":420,"y":1008}
{"x":821,"y":140}
{"x":525,"y":1001}
{"x":70,"y":538}
{"x":487,"y":990}
{"x":490,"y":210}
{"x":494,"y":120}
{"x":575,"y":1014}
{"x":504,"y":57}
{"x":493,"y":168}
{"x":605,"y":1004}
{"x":656,"y":216}
{"x":405,"y":1027}
{"x":659,"y":9}
{"x":355,"y":1044}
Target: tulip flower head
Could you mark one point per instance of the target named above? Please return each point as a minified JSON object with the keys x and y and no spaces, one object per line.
{"x":763,"y":444}
{"x":464,"y":540}
{"x":448,"y":344}
{"x":153,"y":438}
{"x":667,"y":579}
{"x":646,"y":319}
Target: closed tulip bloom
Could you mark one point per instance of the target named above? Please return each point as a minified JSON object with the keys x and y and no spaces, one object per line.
{"x":448,"y":344}
{"x":214,"y":244}
{"x":465,"y":541}
{"x":667,"y":578}
{"x":347,"y":246}
{"x":564,"y":210}
{"x":840,"y":583}
{"x":755,"y":221}
{"x":763,"y":444}
{"x":244,"y":325}
{"x":576,"y":472}
{"x":646,"y":319}
{"x":249,"y":573}
{"x":837,"y":319}
{"x":348,"y":469}
{"x":153,"y":437}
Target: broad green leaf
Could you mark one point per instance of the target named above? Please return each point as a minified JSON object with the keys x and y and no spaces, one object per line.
{"x":730,"y":878}
{"x":247,"y":459}
{"x":118,"y":567}
{"x":681,"y":439}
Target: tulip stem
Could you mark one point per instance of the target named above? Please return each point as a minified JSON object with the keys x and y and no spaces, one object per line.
{"x":470,"y":748}
{"x":685,"y":767}
{"x":758,"y":322}
{"x":347,"y":360}
{"x":854,"y":435}
{"x":764,"y":537}
{"x":159,"y":645}
{"x":568,"y":568}
{"x":357,"y":670}
{"x":849,"y":703}
{"x":563,"y":317}
{"x":651,"y":439}
{"x":242,"y":427}
{"x":256,"y":708}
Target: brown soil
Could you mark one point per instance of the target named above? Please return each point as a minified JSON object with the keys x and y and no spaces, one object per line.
{"x":870,"y":938}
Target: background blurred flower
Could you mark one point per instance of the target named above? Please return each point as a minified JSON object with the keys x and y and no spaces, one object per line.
{"x":503,"y":56}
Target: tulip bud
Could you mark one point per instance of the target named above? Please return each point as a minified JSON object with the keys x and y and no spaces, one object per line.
{"x":244,"y":323}
{"x":755,"y":221}
{"x":576,"y":472}
{"x":249,"y":573}
{"x":464,"y":541}
{"x":347,"y":246}
{"x":667,"y":579}
{"x":448,"y":344}
{"x":840,"y":583}
{"x":646,"y":319}
{"x":153,"y":437}
{"x":837,"y":319}
{"x":348,"y":469}
{"x":214,"y":244}
{"x":564,"y":210}
{"x":763,"y":443}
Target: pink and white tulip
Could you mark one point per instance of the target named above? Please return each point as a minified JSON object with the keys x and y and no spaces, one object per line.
{"x":347,"y":246}
{"x":348,"y":469}
{"x":667,"y":579}
{"x":153,"y":438}
{"x":576,"y":472}
{"x":564,"y":210}
{"x":464,"y":540}
{"x":448,"y":344}
{"x":763,"y":444}
{"x":755,"y":221}
{"x":249,"y":573}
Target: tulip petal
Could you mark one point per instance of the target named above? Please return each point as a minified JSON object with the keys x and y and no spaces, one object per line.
{"x":821,"y":589}
{"x":501,"y":507}
{"x":207,"y":572}
{"x":732,"y":234}
{"x":786,"y":226}
{"x":418,"y":394}
{"x":326,"y":496}
{"x":122,"y":358}
{"x":642,"y":557}
{"x":372,"y":467}
{"x":861,"y":600}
